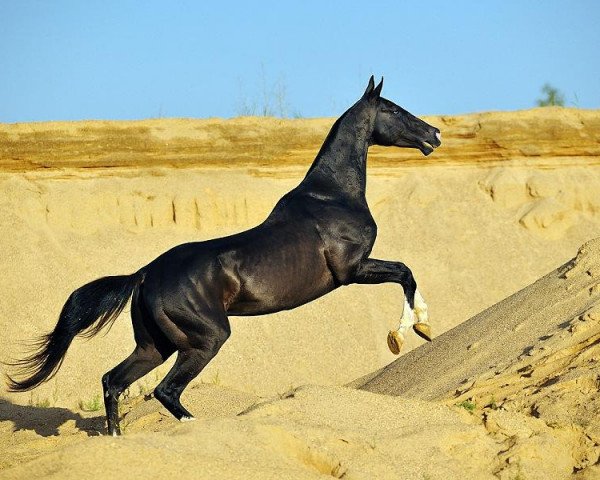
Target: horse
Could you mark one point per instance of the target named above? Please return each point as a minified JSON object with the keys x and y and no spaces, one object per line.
{"x":317,"y":238}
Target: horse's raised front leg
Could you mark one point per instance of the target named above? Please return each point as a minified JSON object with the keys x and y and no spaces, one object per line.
{"x":372,"y":271}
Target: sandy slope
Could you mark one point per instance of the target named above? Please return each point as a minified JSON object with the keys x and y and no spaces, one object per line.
{"x":508,"y":198}
{"x":316,"y":432}
{"x":530,"y":362}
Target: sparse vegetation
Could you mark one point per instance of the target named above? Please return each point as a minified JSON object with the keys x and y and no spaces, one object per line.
{"x":492,"y":403}
{"x":552,"y":97}
{"x":273,"y":99}
{"x":45,"y":402}
{"x":39,"y":402}
{"x":143,"y":388}
{"x":92,"y":405}
{"x":468,"y":405}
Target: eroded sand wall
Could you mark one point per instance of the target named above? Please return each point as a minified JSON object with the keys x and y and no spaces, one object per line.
{"x":476,"y":221}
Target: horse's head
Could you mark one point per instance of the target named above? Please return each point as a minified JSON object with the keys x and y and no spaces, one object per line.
{"x":394,"y":126}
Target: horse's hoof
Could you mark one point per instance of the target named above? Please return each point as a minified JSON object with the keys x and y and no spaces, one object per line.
{"x":395,"y":341}
{"x":423,"y":330}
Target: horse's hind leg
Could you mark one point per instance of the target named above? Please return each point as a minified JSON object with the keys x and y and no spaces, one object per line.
{"x":205,"y":334}
{"x":116,"y":381}
{"x":152,"y":349}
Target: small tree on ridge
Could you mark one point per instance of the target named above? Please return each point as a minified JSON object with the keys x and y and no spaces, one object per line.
{"x":552,"y":97}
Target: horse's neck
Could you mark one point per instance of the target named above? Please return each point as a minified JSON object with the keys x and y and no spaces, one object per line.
{"x":340,"y":168}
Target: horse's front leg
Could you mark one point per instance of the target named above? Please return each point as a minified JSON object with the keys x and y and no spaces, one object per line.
{"x":414,"y":314}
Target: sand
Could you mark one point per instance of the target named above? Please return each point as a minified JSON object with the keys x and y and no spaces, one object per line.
{"x":508,"y":198}
{"x":529,"y":365}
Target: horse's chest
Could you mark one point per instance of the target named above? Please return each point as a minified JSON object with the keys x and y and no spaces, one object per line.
{"x":352,"y":227}
{"x":356,"y":236}
{"x":348,"y":240}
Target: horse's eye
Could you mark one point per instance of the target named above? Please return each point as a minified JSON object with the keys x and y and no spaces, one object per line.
{"x":395,"y":112}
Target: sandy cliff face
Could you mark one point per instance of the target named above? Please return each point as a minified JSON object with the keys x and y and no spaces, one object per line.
{"x":506,"y":199}
{"x":480,"y":218}
{"x":539,"y":136}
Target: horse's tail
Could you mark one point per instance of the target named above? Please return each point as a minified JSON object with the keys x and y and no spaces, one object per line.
{"x":87,"y":311}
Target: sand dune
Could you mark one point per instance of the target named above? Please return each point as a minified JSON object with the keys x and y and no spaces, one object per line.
{"x":316,"y":432}
{"x":530,"y":364}
{"x":508,"y":198}
{"x":519,"y":327}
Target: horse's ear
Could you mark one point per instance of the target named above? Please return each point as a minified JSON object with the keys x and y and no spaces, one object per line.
{"x":377,"y":92}
{"x":370,"y":86}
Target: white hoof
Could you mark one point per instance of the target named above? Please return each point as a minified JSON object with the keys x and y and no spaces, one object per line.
{"x":187,"y":419}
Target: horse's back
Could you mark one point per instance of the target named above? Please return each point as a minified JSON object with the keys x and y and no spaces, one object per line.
{"x":272,"y":267}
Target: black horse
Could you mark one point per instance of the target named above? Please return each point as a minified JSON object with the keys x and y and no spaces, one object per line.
{"x":317,"y":238}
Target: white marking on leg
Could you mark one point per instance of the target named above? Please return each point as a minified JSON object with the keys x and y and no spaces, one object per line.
{"x":420,"y":308}
{"x":187,"y":419}
{"x":407,"y":320}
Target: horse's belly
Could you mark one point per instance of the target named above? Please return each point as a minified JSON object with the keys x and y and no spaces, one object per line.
{"x":280,"y":278}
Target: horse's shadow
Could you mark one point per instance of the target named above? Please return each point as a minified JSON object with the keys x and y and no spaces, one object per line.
{"x":46,"y":421}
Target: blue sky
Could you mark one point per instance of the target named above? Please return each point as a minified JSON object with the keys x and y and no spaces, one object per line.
{"x":72,"y":60}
